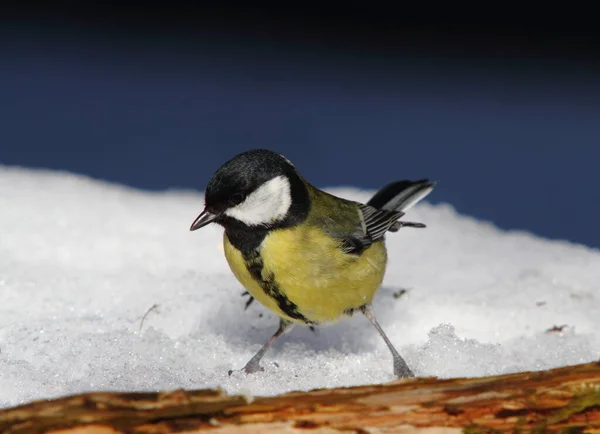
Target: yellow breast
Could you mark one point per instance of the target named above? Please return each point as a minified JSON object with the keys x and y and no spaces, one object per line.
{"x":308,"y":269}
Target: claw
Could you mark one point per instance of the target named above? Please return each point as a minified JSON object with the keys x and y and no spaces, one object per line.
{"x":251,"y":369}
{"x":249,"y":301}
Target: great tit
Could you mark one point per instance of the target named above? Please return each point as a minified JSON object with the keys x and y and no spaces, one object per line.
{"x":308,"y":256}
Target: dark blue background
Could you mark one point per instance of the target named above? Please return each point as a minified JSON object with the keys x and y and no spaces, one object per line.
{"x":514,"y":141}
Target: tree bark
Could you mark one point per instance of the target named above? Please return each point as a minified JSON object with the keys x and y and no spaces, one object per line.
{"x":565,"y":400}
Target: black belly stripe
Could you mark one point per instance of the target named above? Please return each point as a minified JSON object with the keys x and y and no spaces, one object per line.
{"x":255,"y":266}
{"x":352,"y":310}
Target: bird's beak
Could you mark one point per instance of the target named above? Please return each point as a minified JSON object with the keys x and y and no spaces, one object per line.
{"x":203,"y":219}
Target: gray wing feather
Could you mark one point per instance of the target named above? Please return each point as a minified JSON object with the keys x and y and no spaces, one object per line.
{"x":378,"y":221}
{"x":401,"y":195}
{"x":374,"y":224}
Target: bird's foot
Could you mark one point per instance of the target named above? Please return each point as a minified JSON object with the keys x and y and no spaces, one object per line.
{"x":401,"y":369}
{"x":249,"y":301}
{"x":250,"y":368}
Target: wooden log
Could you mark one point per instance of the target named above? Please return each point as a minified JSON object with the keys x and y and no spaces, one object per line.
{"x":564,"y":400}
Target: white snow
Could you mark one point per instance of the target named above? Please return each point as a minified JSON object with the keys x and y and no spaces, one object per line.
{"x":82,"y":261}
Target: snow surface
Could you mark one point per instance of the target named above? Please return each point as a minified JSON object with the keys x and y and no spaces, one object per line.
{"x":82,"y":261}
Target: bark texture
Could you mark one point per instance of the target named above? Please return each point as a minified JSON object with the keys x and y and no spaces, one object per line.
{"x":564,"y":400}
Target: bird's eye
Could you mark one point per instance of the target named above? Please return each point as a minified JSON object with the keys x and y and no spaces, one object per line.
{"x":237,"y":198}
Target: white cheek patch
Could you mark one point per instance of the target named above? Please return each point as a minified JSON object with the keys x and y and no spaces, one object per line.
{"x":267,"y":204}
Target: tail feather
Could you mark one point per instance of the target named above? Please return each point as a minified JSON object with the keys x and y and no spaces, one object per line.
{"x":401,"y":195}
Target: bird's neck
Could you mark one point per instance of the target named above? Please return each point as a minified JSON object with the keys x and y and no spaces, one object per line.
{"x":248,"y":238}
{"x":243,"y":237}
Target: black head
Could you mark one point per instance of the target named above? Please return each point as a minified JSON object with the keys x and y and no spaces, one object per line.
{"x":255,"y":188}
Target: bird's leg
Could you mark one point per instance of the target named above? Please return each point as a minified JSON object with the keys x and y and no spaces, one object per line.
{"x":401,"y":369}
{"x":254,"y":364}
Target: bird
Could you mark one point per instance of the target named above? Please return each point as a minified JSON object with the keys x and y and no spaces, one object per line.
{"x":306,"y":255}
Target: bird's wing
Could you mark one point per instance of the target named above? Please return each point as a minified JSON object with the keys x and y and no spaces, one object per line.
{"x":401,"y":195}
{"x":378,"y":221}
{"x":374,"y":223}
